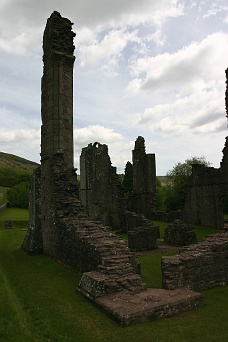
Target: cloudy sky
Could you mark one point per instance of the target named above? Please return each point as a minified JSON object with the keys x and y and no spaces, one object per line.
{"x":154,"y":68}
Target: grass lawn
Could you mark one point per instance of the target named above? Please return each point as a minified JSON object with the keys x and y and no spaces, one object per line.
{"x":39,"y":303}
{"x":15,"y":214}
{"x":201,"y":232}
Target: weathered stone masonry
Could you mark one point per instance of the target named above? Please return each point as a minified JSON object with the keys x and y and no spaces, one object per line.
{"x":68,"y":235}
{"x":207,"y":187}
{"x":179,"y":234}
{"x":144,"y":180}
{"x":101,"y":191}
{"x":57,"y":117}
{"x":199,"y":266}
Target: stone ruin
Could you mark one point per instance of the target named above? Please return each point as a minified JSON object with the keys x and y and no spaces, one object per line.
{"x":101,"y":191}
{"x":207,"y":188}
{"x":199,"y":266}
{"x":204,"y":265}
{"x":179,"y":234}
{"x":143,"y":199}
{"x":142,"y":233}
{"x":59,"y":225}
{"x":102,"y":194}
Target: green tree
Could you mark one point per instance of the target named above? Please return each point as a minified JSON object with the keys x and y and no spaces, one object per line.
{"x":11,"y":176}
{"x":160,"y":195}
{"x":18,"y":195}
{"x":128,"y":179}
{"x":177,"y":177}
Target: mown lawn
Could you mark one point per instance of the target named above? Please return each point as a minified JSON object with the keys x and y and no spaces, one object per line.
{"x":201,"y":232}
{"x":39,"y":303}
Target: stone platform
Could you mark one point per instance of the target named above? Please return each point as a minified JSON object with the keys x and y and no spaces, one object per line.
{"x":127,"y":309}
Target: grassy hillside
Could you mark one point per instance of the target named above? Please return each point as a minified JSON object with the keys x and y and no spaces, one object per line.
{"x":14,"y":169}
{"x":12,"y":161}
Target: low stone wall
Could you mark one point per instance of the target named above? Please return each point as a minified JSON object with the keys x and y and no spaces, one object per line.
{"x":179,"y":234}
{"x":138,"y":221}
{"x":167,"y":217}
{"x":199,"y":266}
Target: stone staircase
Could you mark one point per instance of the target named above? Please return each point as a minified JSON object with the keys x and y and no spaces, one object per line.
{"x":111,"y":266}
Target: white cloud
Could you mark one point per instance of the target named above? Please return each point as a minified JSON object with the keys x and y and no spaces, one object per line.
{"x":202,"y":112}
{"x":103,"y":135}
{"x":90,"y":134}
{"x":107,"y":50}
{"x":24,"y":43}
{"x":19,"y":136}
{"x":22,"y":21}
{"x":185,"y":70}
{"x":21,"y":142}
{"x":171,"y":53}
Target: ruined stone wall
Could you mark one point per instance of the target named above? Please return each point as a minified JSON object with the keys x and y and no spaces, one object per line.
{"x":136,"y":221}
{"x":143,"y":200}
{"x":167,"y":217}
{"x":57,"y":116}
{"x":57,"y":89}
{"x":179,"y":234}
{"x":85,"y":245}
{"x":198,"y":267}
{"x":68,"y":235}
{"x":205,"y":192}
{"x":101,"y":191}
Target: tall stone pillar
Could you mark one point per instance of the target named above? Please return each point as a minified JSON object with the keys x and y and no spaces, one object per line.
{"x":57,"y":89}
{"x":144,"y":180}
{"x":57,"y":118}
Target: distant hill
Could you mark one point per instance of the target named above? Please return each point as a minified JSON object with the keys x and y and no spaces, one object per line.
{"x":10,"y":160}
{"x":162,"y":179}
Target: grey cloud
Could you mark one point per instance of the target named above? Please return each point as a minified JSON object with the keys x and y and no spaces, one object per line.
{"x":83,"y":13}
{"x":178,"y":73}
{"x":211,"y":116}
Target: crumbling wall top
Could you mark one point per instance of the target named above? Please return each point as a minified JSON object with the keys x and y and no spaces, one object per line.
{"x":140,"y":145}
{"x":58,"y":35}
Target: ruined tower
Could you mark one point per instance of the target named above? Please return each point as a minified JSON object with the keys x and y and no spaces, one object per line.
{"x":57,"y":117}
{"x":101,"y":191}
{"x":144,"y":180}
{"x":57,"y":90}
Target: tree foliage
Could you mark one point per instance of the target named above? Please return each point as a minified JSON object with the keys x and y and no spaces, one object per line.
{"x":177,"y":177}
{"x":10,"y":176}
{"x":18,"y":195}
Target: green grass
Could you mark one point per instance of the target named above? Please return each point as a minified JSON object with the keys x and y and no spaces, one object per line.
{"x":201,"y":232}
{"x":14,"y":214}
{"x":151,"y":268}
{"x":39,"y":303}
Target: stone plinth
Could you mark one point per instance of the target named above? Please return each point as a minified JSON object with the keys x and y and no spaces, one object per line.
{"x":149,"y":305}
